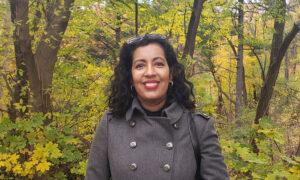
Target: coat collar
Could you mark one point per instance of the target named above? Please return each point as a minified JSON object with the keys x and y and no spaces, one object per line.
{"x":135,"y":106}
{"x":173,"y":112}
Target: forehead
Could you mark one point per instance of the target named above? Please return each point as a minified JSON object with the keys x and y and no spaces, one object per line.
{"x":151,"y":49}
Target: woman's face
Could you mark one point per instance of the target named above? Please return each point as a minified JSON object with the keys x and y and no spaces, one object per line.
{"x":150,"y":76}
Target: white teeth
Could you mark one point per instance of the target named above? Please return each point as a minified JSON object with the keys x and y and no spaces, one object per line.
{"x":151,"y":84}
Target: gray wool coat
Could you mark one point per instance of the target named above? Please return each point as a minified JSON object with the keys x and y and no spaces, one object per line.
{"x":141,"y":147}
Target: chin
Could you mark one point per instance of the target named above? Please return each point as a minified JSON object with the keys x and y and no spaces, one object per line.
{"x":154,"y":98}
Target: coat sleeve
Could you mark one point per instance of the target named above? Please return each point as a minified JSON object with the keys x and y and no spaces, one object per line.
{"x":98,"y":165}
{"x":212,"y":160}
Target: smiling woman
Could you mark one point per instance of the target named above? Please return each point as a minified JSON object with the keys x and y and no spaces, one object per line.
{"x":151,"y":76}
{"x":146,"y":134}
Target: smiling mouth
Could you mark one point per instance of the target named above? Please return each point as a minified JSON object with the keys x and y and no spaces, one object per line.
{"x":151,"y":85}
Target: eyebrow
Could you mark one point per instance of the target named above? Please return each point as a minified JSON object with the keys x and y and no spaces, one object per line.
{"x":154,"y":59}
{"x":159,"y":58}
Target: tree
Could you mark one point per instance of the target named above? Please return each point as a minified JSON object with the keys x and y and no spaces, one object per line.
{"x":241,"y":93}
{"x":189,"y":46}
{"x":38,"y":66}
{"x":31,"y":148}
{"x":278,"y":50}
{"x":240,"y":74}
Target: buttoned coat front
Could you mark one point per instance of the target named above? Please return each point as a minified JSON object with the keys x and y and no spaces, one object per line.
{"x":141,"y":147}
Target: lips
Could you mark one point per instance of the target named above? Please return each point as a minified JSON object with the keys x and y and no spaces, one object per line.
{"x":151,"y":84}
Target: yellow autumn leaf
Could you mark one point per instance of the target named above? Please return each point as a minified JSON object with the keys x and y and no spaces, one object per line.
{"x":53,"y":150}
{"x":30,"y":164}
{"x":2,"y":156}
{"x":13,"y":159}
{"x":44,"y":166}
{"x":18,"y":169}
{"x":294,"y":169}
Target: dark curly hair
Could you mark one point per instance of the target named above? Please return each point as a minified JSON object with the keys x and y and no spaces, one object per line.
{"x":121,"y":95}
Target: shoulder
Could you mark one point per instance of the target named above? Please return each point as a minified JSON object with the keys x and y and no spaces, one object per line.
{"x":101,"y":130}
{"x":204,"y":125}
{"x":202,"y":115}
{"x":202,"y":121}
{"x":107,"y":115}
{"x":110,"y":118}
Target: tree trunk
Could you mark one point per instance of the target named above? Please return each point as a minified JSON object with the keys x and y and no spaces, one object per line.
{"x":21,"y":76}
{"x":40,"y":65}
{"x":118,"y":37}
{"x":189,"y":46}
{"x":240,"y":66}
{"x":278,"y":50}
{"x":286,"y":68}
{"x":275,"y":61}
{"x":254,"y":93}
{"x":136,"y":18}
{"x":184,"y":22}
{"x":118,"y":31}
{"x":294,"y":53}
{"x":245,"y":99}
{"x":298,"y":149}
{"x":220,"y":103}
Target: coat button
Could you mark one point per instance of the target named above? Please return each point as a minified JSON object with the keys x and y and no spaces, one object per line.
{"x":166,"y":167}
{"x":132,"y":123}
{"x":176,"y":125}
{"x":133,"y":166}
{"x":132,"y":144}
{"x":169,"y":145}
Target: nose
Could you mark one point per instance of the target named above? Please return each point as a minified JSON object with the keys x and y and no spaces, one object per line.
{"x":150,"y":71}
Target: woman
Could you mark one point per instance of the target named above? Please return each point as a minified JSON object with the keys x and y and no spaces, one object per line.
{"x":146,"y":135}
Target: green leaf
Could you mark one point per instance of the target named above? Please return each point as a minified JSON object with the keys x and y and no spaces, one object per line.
{"x":67,"y":129}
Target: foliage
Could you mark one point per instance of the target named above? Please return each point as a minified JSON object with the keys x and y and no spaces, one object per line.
{"x":244,"y":164}
{"x":27,"y":148}
{"x":88,"y":53}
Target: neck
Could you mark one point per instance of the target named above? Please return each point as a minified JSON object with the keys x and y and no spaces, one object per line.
{"x":154,"y":105}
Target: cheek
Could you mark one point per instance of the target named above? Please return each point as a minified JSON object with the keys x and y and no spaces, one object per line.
{"x":134,"y":77}
{"x":168,"y":75}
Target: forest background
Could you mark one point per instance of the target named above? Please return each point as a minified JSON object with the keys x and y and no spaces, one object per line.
{"x":57,"y":57}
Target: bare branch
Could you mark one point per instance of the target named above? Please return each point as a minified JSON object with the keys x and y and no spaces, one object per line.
{"x":8,"y":86}
{"x":2,"y":110}
{"x":220,"y":88}
{"x":171,"y":28}
{"x":288,"y":39}
{"x":232,"y":47}
{"x":260,"y":65}
{"x":82,"y":139}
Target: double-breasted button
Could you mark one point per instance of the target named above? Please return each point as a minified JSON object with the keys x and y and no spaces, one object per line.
{"x":133,"y":166}
{"x":132,"y":123}
{"x":169,"y":145}
{"x":166,"y":167}
{"x":176,"y":125}
{"x":132,"y":144}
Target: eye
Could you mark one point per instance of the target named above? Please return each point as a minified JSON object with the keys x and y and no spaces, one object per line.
{"x":160,"y":64}
{"x":139,"y":66}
